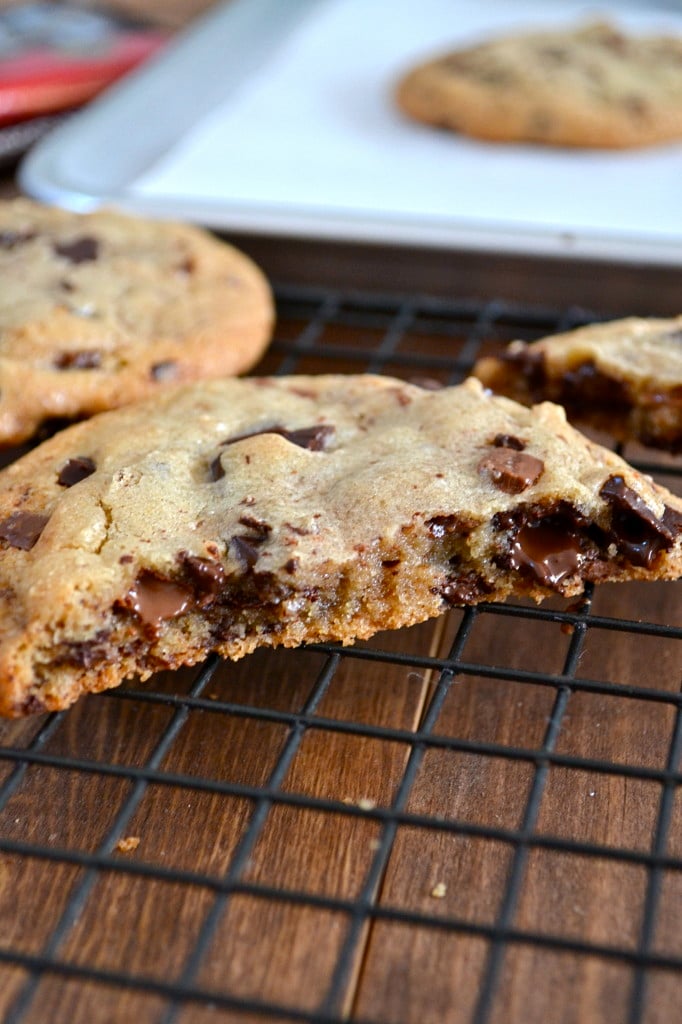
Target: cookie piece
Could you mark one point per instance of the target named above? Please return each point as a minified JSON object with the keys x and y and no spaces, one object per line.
{"x":232,"y":514}
{"x":624,"y":377}
{"x":592,"y":86}
{"x":101,"y":309}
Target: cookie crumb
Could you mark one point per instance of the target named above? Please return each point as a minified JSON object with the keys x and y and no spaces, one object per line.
{"x":366,"y":804}
{"x":439,"y":890}
{"x":128,"y":844}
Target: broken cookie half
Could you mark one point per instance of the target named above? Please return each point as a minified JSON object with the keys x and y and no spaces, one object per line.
{"x":624,"y":376}
{"x":232,"y":514}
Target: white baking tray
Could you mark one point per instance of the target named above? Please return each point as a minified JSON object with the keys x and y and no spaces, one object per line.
{"x":276,"y":117}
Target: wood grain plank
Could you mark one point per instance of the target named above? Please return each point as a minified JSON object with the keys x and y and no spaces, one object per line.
{"x":541,"y":985}
{"x":63,"y":1000}
{"x":265,"y":949}
{"x":589,"y":898}
{"x":149,"y":926}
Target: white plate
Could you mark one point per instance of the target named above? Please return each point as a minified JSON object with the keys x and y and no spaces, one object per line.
{"x":276,"y":118}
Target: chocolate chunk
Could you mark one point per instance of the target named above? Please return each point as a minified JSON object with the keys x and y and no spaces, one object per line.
{"x":188,"y":265}
{"x":164,"y":371}
{"x":313,"y":438}
{"x":87,"y":653}
{"x":291,"y":565}
{"x":636,"y":105}
{"x":32,"y":705}
{"x":509,"y":441}
{"x":555,"y":54}
{"x":207,"y":577}
{"x":75,"y":470}
{"x":622,"y":497}
{"x":586,"y":386}
{"x":531,"y":364}
{"x":511,"y":471}
{"x":22,"y":529}
{"x":245,"y":551}
{"x":441,"y":526}
{"x":10,"y":239}
{"x":155,"y":599}
{"x":672,"y":522}
{"x":260,"y":528}
{"x":85,"y":359}
{"x":547,"y":550}
{"x":302,"y":531}
{"x":465,"y":589}
{"x":636,"y":531}
{"x":215,"y":469}
{"x":540,"y":123}
{"x":81,"y":250}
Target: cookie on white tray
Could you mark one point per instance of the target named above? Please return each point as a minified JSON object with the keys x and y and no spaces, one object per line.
{"x":591,"y":86}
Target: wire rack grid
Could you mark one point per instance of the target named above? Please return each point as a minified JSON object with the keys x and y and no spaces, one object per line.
{"x":478,"y":819}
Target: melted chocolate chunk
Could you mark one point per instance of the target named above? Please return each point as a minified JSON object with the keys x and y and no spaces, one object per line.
{"x":80,"y":250}
{"x":313,"y":438}
{"x":547,"y":550}
{"x":164,"y":371}
{"x":155,"y":599}
{"x":547,"y":543}
{"x":85,"y":359}
{"x":509,"y":441}
{"x":207,"y":577}
{"x":22,"y":529}
{"x":75,"y":470}
{"x":511,"y":471}
{"x":635,"y":529}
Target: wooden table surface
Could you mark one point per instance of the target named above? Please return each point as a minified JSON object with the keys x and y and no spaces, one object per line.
{"x":478,"y":819}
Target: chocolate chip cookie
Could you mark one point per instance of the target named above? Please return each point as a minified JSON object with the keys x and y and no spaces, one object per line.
{"x":624,"y":377}
{"x":99,"y":310}
{"x":591,"y":86}
{"x":232,"y":514}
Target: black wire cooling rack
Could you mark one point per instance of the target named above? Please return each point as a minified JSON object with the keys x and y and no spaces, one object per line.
{"x":475,"y":820}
